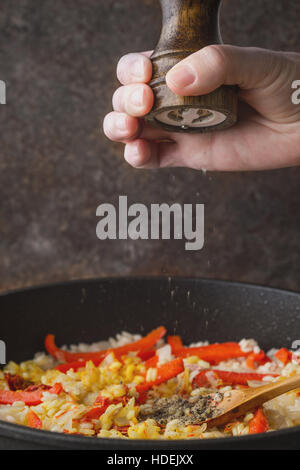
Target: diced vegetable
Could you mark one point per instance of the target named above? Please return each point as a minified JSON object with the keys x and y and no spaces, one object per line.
{"x":100,"y":406}
{"x":56,"y":389}
{"x":122,"y":429}
{"x":255,"y":360}
{"x":258,"y":423}
{"x":16,"y":382}
{"x":101,"y":401}
{"x":33,"y":420}
{"x":95,"y":413}
{"x":284,"y":356}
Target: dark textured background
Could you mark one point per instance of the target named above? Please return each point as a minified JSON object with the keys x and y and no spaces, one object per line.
{"x":58,"y":59}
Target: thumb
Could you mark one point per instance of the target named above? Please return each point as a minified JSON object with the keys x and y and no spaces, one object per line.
{"x":213,"y":66}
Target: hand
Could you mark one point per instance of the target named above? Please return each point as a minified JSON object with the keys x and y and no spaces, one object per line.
{"x":266,"y":136}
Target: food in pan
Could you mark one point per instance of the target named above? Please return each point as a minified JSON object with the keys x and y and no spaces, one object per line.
{"x":150,"y":387}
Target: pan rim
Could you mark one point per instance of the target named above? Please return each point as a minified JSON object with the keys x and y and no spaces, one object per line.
{"x":42,"y":437}
{"x":94,"y":280}
{"x":39,"y":436}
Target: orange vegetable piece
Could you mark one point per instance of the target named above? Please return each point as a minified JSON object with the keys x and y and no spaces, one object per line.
{"x":33,"y":420}
{"x":258,"y":423}
{"x":284,"y":355}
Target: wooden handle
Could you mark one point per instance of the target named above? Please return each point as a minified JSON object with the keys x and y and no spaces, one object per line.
{"x":188,"y":25}
{"x":241,"y":402}
{"x":273,"y":390}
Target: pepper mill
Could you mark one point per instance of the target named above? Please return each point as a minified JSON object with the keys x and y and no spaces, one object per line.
{"x":189,"y":25}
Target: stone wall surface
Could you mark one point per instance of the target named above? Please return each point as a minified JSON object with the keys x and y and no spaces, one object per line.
{"x":58,"y":59}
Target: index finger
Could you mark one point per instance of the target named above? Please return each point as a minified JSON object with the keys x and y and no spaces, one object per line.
{"x":135,"y":68}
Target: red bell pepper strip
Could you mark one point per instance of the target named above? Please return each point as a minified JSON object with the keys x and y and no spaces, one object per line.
{"x":257,"y":359}
{"x":145,"y":355}
{"x":143,"y":344}
{"x":100,"y":406}
{"x":152,"y":362}
{"x":214,"y":353}
{"x":176,"y":343}
{"x":164,"y":373}
{"x":37,"y":387}
{"x":77,"y":365}
{"x":71,"y":365}
{"x":29,"y":398}
{"x":95,"y":413}
{"x":56,"y":389}
{"x":33,"y":420}
{"x":8,"y":397}
{"x":104,"y":401}
{"x":284,"y":355}
{"x":143,"y":395}
{"x":228,"y":378}
{"x":258,"y":423}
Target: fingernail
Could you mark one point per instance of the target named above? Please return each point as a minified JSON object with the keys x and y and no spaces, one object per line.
{"x":137,"y":69}
{"x":182,"y":76}
{"x":121,"y":123}
{"x":137,"y":97}
{"x":131,"y":153}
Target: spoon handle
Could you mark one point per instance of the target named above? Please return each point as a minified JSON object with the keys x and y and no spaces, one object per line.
{"x":274,"y":389}
{"x":241,"y":402}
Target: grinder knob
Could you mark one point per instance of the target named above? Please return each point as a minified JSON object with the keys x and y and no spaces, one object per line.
{"x":189,"y":25}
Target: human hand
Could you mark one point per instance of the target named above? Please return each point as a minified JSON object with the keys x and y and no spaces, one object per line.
{"x":266,"y":136}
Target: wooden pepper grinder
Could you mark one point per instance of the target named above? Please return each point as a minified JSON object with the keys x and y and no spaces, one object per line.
{"x":189,"y":25}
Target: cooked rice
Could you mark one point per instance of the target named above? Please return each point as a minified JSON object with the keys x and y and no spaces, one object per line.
{"x":113,"y":379}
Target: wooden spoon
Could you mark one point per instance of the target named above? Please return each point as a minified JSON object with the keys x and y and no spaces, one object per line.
{"x":239,"y":402}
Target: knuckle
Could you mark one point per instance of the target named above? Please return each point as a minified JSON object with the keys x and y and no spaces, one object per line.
{"x":215,"y":57}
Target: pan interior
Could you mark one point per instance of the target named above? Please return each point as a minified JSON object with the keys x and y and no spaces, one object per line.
{"x":88,"y":311}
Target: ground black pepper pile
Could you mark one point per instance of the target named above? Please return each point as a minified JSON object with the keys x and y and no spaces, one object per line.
{"x":193,"y":410}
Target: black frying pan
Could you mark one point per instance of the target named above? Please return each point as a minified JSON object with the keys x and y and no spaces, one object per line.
{"x":196,"y":309}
